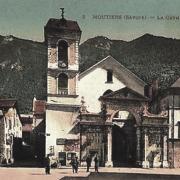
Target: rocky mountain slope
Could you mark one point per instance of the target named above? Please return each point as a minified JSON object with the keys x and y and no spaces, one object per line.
{"x":23,"y":63}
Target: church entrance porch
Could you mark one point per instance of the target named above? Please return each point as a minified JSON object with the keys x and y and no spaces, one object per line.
{"x":124,"y":140}
{"x":125,"y":133}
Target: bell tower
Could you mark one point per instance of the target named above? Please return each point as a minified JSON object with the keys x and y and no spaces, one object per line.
{"x":62,"y":38}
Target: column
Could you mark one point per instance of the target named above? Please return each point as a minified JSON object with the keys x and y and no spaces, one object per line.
{"x":145,"y":163}
{"x":11,"y":149}
{"x":138,"y":147}
{"x":109,"y":148}
{"x":165,"y":153}
{"x":69,"y":53}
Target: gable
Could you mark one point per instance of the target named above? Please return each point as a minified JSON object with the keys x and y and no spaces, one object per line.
{"x":124,"y":75}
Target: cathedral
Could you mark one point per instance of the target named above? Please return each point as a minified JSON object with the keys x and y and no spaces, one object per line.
{"x":103,"y":110}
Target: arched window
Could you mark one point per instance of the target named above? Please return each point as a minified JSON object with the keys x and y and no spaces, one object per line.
{"x":62,"y":54}
{"x":63,"y":84}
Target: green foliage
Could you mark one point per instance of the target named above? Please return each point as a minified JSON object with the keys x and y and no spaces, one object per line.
{"x":23,"y":63}
{"x":23,"y":66}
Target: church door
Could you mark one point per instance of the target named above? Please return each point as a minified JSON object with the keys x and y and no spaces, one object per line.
{"x":124,"y":145}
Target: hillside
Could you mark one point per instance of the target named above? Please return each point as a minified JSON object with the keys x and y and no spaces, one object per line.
{"x":22,"y":70}
{"x":148,"y":56}
{"x":23,"y":63}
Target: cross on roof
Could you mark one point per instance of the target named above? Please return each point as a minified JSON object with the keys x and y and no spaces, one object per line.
{"x":62,"y":13}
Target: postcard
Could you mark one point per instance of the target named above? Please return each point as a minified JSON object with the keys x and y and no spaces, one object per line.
{"x":89,"y":89}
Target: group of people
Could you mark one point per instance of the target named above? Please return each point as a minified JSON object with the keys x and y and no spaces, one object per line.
{"x":96,"y":163}
{"x":74,"y":163}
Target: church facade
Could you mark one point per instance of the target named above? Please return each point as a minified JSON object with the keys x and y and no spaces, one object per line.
{"x":103,"y":110}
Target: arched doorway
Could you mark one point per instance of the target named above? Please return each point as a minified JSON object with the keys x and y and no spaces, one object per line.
{"x":124,"y":140}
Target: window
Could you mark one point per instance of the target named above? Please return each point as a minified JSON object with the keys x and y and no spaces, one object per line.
{"x":179,"y":130}
{"x":6,"y":122}
{"x":10,"y":124}
{"x":109,"y":76}
{"x":14,"y":121}
{"x":177,"y":101}
{"x":62,"y":54}
{"x":70,"y":155}
{"x":174,"y":101}
{"x":63,"y":84}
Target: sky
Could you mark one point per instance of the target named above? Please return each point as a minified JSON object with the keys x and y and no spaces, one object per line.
{"x":115,"y":19}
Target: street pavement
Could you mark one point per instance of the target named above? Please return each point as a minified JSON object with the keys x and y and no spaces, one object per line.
{"x":105,"y":173}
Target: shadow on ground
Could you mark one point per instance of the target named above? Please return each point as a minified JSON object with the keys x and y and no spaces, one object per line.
{"x":125,"y":176}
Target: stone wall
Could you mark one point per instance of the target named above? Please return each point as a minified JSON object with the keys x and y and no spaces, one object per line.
{"x":176,"y":158}
{"x":52,"y":85}
{"x":72,"y":85}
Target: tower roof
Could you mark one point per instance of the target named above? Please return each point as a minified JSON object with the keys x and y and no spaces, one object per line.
{"x":61,"y":25}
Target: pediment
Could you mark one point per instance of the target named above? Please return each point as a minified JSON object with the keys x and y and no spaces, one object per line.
{"x":126,"y":93}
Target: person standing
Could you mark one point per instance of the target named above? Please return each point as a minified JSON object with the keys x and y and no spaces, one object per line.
{"x":88,"y":162}
{"x":96,"y":163}
{"x":76,"y":164}
{"x":73,"y":164}
{"x":47,"y":163}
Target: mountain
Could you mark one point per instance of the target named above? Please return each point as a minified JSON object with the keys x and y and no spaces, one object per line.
{"x":23,"y":63}
{"x":22,"y":70}
{"x":149,"y":57}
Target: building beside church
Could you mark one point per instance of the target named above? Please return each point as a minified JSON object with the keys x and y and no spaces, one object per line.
{"x":33,"y":134}
{"x":170,"y":99}
{"x":10,"y":131}
{"x":38,"y":130}
{"x":104,"y":110}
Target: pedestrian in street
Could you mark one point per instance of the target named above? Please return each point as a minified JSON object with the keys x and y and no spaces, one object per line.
{"x":73,"y":164}
{"x":76,"y":164}
{"x":88,"y":162}
{"x":47,"y":164}
{"x":96,"y":163}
